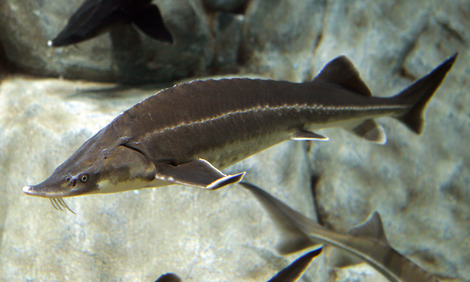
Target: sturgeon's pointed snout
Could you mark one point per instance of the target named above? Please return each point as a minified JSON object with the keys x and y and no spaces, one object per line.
{"x":27,"y":189}
{"x":39,"y":190}
{"x":31,"y":190}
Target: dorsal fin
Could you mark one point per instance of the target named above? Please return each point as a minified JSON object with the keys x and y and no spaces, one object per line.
{"x":342,"y":72}
{"x":372,"y":229}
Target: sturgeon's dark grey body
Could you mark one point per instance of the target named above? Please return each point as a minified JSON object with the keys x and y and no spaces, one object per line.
{"x":181,"y":134}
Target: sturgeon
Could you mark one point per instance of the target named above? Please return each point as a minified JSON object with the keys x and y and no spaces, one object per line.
{"x":185,"y":134}
{"x":94,"y":17}
{"x":366,"y":241}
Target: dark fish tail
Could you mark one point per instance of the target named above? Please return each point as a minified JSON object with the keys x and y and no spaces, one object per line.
{"x":419,"y":94}
{"x":150,"y":21}
{"x":296,"y":269}
{"x":95,"y":17}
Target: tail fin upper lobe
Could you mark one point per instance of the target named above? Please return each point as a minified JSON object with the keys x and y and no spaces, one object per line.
{"x":420,"y":93}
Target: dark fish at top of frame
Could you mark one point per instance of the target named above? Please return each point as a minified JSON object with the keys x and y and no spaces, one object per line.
{"x":95,"y":17}
{"x":296,"y":270}
{"x":185,"y":134}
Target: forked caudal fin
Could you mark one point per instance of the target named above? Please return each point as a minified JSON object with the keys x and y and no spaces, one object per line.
{"x":420,"y":93}
{"x":341,"y":71}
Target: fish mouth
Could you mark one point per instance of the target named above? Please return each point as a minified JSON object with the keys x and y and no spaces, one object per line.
{"x":57,"y":202}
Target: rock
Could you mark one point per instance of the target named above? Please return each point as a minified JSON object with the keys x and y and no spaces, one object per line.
{"x":361,"y":272}
{"x":282,"y":33}
{"x":417,"y":183}
{"x":228,"y":37}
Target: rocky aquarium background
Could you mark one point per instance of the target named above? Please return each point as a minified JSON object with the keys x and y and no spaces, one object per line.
{"x":52,"y":100}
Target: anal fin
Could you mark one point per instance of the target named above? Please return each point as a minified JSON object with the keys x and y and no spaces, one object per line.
{"x":198,"y":173}
{"x":372,"y":228}
{"x":370,"y":131}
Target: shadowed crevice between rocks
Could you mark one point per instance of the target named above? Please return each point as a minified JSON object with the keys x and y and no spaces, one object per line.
{"x":452,"y":31}
{"x":5,"y":65}
{"x":228,"y":6}
{"x":127,"y":53}
{"x":321,"y":216}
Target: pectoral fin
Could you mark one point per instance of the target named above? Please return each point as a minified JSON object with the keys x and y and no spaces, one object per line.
{"x":309,"y":136}
{"x":199,"y":173}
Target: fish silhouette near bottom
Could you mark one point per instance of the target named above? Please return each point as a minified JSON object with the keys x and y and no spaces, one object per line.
{"x":366,"y":241}
{"x":291,"y":273}
{"x":296,"y":269}
{"x":187,"y":133}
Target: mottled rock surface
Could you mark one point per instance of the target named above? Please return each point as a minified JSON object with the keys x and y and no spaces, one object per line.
{"x":419,"y":184}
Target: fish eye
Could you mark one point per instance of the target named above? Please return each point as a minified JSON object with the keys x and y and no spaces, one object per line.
{"x":68,"y":178}
{"x":84,"y":178}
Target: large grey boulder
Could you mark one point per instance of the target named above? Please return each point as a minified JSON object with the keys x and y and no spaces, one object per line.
{"x":282,"y":33}
{"x":419,"y":184}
